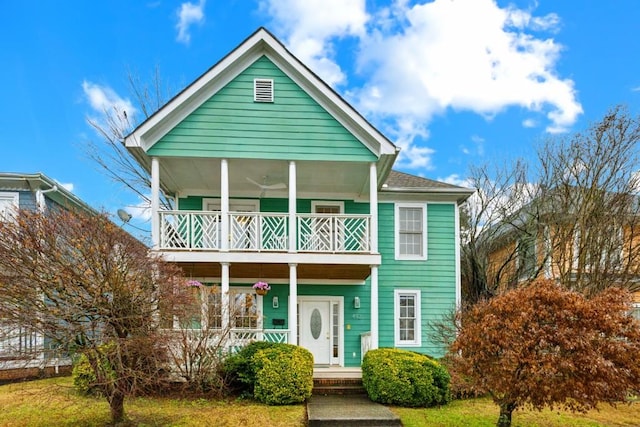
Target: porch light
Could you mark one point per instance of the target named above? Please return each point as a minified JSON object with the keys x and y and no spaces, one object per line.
{"x":356,"y":302}
{"x":274,"y":302}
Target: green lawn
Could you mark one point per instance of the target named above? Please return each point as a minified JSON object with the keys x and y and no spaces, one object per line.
{"x":53,"y":402}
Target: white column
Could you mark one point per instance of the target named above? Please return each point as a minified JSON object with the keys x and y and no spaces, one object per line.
{"x":155,"y":202}
{"x":293,"y":233}
{"x":374,"y":307}
{"x":224,"y":293}
{"x":373,"y":206}
{"x":293,"y":304}
{"x":224,"y":205}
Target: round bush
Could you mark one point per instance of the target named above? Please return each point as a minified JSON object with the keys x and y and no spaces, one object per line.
{"x":404,"y":378}
{"x":239,"y":369}
{"x":284,"y":374}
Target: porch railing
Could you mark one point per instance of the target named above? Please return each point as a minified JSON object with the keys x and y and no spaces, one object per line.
{"x":263,"y":232}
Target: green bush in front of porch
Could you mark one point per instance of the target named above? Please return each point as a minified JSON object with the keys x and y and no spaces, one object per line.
{"x":404,"y":378}
{"x":284,"y":374}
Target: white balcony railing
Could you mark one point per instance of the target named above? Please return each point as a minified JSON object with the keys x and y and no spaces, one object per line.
{"x":262,"y":232}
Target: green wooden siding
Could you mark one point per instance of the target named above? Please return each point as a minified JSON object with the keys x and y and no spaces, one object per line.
{"x":231,"y":125}
{"x":435,"y":277}
{"x":276,"y":205}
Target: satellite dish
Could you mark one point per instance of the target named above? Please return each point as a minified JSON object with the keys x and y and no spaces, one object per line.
{"x":124,"y":215}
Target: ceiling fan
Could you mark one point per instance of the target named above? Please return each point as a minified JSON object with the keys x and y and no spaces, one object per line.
{"x":264,"y":187}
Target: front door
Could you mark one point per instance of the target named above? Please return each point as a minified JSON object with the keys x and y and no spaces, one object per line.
{"x":315,"y":325}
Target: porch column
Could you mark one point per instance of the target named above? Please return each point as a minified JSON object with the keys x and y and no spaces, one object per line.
{"x":155,"y":202}
{"x":224,"y":205}
{"x":374,"y":307}
{"x":293,"y":233}
{"x":293,"y":304}
{"x":224,"y":294}
{"x":373,"y":206}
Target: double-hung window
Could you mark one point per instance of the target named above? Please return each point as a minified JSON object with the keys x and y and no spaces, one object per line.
{"x":410,"y":231}
{"x":407,"y":318}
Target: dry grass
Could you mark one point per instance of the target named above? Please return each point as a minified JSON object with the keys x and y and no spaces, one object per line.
{"x":53,"y":402}
{"x":483,"y":412}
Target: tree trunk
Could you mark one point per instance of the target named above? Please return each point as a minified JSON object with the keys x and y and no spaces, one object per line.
{"x":116,"y":405}
{"x":506,"y":409}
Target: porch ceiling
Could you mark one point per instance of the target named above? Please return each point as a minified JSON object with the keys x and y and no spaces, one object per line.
{"x":316,"y":272}
{"x":319,"y":179}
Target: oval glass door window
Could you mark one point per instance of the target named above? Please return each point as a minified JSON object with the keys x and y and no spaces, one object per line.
{"x":315,"y":323}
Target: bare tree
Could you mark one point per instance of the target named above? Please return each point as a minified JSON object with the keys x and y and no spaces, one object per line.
{"x":109,"y":151}
{"x":82,"y":281}
{"x":591,"y":204}
{"x":572,"y":215}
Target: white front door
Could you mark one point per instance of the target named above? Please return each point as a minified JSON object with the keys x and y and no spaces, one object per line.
{"x":316,"y":329}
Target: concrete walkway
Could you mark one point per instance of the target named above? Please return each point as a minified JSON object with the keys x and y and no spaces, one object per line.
{"x":348,"y":410}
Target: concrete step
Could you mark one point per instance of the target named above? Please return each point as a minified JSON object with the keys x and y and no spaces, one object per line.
{"x":338,"y":386}
{"x":349,"y":410}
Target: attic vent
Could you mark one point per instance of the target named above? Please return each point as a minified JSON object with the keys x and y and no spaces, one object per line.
{"x":263,"y":90}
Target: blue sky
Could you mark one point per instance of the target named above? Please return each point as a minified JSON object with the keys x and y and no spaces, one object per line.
{"x":453,"y":82}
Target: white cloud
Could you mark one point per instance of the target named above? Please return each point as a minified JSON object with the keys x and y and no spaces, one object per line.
{"x":446,"y":57}
{"x":310,"y":25}
{"x":67,"y":186}
{"x":422,"y":60}
{"x":189,"y":14}
{"x":105,"y":101}
{"x":529,"y":123}
{"x":455,"y":179}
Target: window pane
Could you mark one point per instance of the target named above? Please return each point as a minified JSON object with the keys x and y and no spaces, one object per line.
{"x":407,"y":317}
{"x":244,"y":310}
{"x":410,"y":232}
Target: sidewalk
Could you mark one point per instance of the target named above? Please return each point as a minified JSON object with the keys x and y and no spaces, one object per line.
{"x":348,"y":410}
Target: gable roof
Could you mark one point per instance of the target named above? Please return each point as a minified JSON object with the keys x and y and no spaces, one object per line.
{"x":33,"y":182}
{"x":260,"y":43}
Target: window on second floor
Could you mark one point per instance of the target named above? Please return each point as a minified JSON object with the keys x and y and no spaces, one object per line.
{"x":410,"y":231}
{"x":8,"y":205}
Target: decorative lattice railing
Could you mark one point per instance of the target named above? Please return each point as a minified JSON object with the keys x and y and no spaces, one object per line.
{"x":263,"y":232}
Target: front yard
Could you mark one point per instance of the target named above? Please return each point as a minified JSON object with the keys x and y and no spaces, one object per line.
{"x":54,"y":402}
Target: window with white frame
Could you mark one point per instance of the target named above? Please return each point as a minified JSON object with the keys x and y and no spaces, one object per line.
{"x":8,"y":205}
{"x":204,"y":309}
{"x":635,"y":311}
{"x":407,"y":318}
{"x":410,"y":231}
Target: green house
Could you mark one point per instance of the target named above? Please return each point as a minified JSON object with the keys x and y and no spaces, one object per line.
{"x":275,"y":178}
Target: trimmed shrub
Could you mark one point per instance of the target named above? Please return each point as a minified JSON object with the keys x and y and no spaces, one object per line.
{"x":284,"y":374}
{"x":84,"y":376}
{"x":240,"y":371}
{"x":404,"y":378}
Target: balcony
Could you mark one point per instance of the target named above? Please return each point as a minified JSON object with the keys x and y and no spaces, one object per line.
{"x":265,"y":232}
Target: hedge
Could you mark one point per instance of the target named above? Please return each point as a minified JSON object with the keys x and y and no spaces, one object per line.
{"x":404,"y":378}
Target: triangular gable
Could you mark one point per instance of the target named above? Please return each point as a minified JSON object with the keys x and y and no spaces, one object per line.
{"x":291,"y":125}
{"x":260,"y":44}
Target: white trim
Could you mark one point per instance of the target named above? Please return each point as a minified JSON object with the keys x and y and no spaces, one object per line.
{"x":155,"y":202}
{"x":417,"y":342}
{"x":270,"y":257}
{"x":254,"y":203}
{"x":316,"y":203}
{"x":456,"y":210}
{"x":396,"y":231}
{"x":332,"y":300}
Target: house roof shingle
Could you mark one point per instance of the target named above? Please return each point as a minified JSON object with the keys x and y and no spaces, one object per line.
{"x":403,"y":180}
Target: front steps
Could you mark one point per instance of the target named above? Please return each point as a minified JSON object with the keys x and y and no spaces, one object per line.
{"x":339,"y":399}
{"x":337,"y":386}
